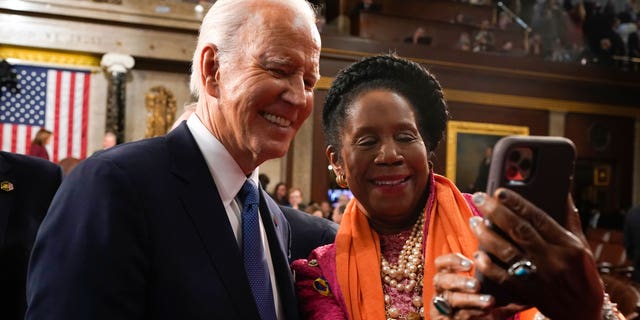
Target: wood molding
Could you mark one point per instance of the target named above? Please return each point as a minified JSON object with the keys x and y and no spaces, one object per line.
{"x":179,"y":16}
{"x":355,"y":55}
{"x":534,"y":103}
{"x":46,"y":56}
{"x":523,"y":102}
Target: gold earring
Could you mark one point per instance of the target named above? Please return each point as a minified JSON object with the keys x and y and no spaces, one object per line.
{"x":341,"y":180}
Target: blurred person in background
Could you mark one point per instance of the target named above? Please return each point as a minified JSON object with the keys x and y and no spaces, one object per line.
{"x":109,"y":140}
{"x":280,"y":194}
{"x":39,"y":144}
{"x":296,"y":200}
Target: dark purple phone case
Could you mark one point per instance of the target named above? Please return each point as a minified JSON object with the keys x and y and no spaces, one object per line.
{"x":547,"y":187}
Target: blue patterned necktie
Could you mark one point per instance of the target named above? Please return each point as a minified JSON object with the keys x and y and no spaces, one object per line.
{"x":255,"y":260}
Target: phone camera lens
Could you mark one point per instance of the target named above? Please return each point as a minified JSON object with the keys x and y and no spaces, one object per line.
{"x":511,"y":173}
{"x":514,"y":156}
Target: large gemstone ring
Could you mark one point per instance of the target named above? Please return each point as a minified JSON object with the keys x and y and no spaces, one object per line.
{"x":442,"y":305}
{"x":522,"y":269}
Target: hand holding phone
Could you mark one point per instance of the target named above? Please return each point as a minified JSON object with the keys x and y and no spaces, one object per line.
{"x":541,"y":170}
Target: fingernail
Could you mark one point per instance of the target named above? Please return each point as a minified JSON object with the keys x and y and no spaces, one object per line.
{"x":487,"y":223}
{"x":470,"y":284}
{"x":475,"y":221}
{"x":466,"y":264}
{"x":484,"y":298}
{"x":478,"y":198}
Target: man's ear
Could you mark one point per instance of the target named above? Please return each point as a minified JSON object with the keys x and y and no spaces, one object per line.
{"x":210,"y":69}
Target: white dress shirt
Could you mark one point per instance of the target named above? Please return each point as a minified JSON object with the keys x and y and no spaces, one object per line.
{"x":229,"y":179}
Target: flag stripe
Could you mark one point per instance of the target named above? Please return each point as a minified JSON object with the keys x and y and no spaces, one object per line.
{"x":72,"y":101}
{"x":21,"y":137}
{"x":63,"y":115}
{"x":56,"y":114}
{"x":5,"y":136}
{"x":49,"y":115}
{"x":14,"y":133}
{"x":85,"y":116}
{"x":77,"y":116}
{"x":28,"y":139}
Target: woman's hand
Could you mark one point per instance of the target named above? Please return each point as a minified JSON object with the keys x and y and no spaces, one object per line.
{"x":459,"y":291}
{"x":551,"y":267}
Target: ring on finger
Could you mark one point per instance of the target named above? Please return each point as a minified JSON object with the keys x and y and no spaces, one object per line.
{"x":522,"y":268}
{"x":442,"y":305}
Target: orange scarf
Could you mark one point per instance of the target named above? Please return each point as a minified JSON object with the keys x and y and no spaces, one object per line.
{"x":358,"y":253}
{"x":528,"y":314}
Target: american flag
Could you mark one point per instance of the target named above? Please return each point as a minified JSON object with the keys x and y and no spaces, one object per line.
{"x":50,"y":98}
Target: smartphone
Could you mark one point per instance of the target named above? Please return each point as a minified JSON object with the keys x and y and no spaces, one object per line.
{"x":539,"y":168}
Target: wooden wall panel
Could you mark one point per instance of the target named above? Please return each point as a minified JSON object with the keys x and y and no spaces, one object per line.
{"x":320,"y":175}
{"x":603,"y":141}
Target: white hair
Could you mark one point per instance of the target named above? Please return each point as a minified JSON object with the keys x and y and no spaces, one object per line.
{"x":221,"y":27}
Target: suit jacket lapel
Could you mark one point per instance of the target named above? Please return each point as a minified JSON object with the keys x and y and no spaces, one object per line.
{"x":203,"y":204}
{"x":278,"y":235}
{"x":6,"y":197}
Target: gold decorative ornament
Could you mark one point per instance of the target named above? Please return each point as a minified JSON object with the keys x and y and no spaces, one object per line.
{"x":341,"y":180}
{"x":322,"y":286}
{"x":161,"y":111}
{"x":6,"y":186}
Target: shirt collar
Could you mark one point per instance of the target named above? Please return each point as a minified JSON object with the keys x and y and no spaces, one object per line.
{"x":225,"y":171}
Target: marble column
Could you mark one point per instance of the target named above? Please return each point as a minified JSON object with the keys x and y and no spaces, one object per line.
{"x":116,"y":65}
{"x":557,"y":121}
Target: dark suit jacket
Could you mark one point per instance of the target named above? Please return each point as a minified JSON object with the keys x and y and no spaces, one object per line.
{"x":308,"y":232}
{"x":34,"y":182}
{"x":138,"y":231}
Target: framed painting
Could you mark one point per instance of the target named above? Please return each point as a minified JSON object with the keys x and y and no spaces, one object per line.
{"x":601,"y":175}
{"x":469,"y":147}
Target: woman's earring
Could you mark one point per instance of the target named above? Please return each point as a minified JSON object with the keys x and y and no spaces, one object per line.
{"x":341,"y":180}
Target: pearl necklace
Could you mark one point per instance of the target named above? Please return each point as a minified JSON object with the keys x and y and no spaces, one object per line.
{"x":406,"y":275}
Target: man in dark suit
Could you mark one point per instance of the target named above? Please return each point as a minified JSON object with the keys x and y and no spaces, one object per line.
{"x":308,"y":232}
{"x":155,"y":229}
{"x":27,"y":185}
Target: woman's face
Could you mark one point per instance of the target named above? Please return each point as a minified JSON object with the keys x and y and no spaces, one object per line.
{"x":295,"y":197}
{"x":384,"y":158}
{"x":281,"y":191}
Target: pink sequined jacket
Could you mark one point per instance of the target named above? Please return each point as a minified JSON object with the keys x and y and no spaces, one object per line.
{"x":317,"y":285}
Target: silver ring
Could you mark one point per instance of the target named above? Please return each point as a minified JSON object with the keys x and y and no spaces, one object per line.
{"x":522,"y":269}
{"x":442,"y":305}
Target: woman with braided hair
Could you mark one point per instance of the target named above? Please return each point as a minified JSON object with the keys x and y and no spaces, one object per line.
{"x":403,"y":247}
